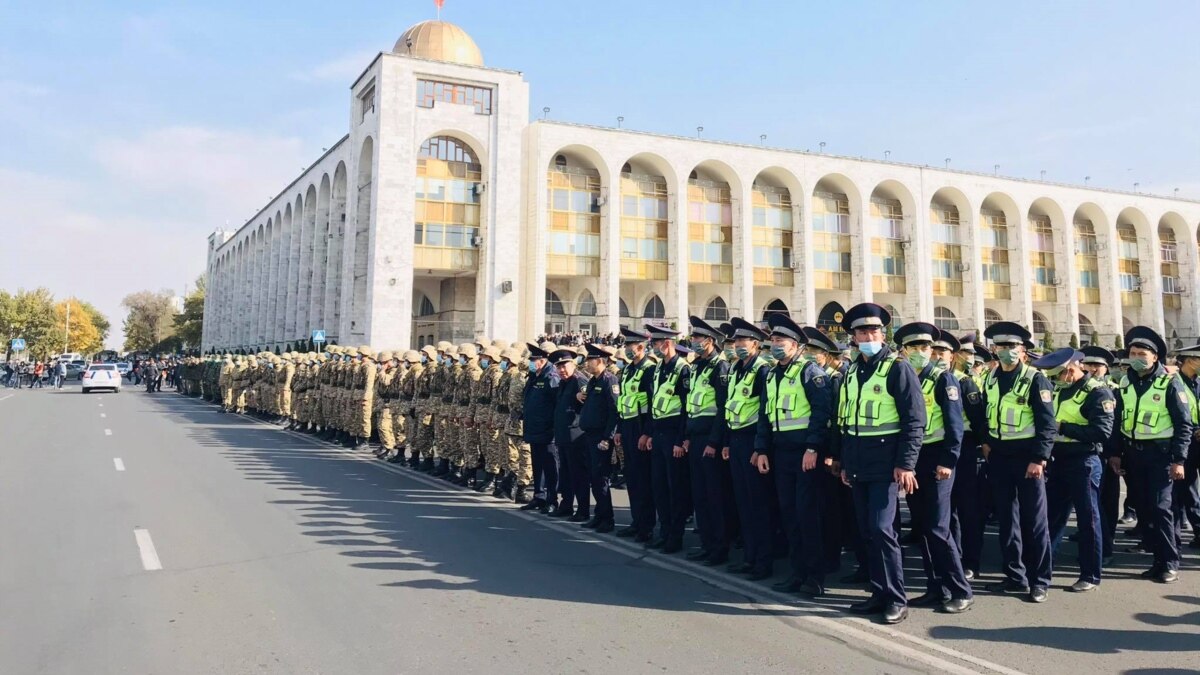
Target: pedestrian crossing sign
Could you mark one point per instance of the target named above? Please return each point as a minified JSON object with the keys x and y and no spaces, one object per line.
{"x":318,"y":336}
{"x":18,"y":345}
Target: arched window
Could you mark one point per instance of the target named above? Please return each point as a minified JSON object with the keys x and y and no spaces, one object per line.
{"x":897,"y":320}
{"x":944,"y":319}
{"x":1040,"y":326}
{"x":991,"y":317}
{"x":654,"y":309}
{"x":1041,"y":258}
{"x":776,"y":306}
{"x":424,"y":306}
{"x":554,"y":305}
{"x":587,"y":304}
{"x":1129,"y":266}
{"x":1169,"y":267}
{"x":448,"y":205}
{"x":624,"y":309}
{"x":1087,"y":262}
{"x":716,"y":310}
{"x":947,"y":260}
{"x":1086,"y":328}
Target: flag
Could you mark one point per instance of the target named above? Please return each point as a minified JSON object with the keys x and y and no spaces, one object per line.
{"x":439,"y":3}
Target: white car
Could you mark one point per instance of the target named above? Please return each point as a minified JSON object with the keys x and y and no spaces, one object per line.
{"x":102,"y":376}
{"x":124,"y":367}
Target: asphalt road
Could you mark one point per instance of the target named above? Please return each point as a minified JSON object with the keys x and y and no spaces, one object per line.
{"x":153,"y":534}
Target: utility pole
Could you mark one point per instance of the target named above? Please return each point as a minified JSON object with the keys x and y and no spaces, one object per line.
{"x":67,"y":329}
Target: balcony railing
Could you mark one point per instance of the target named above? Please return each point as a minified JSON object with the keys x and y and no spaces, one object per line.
{"x":832,"y":281}
{"x":1131,"y":298}
{"x":1087,"y":295}
{"x":948,"y":288}
{"x":703,"y":273}
{"x":773,"y":276}
{"x":445,"y":259}
{"x":1172,"y":301}
{"x":572,"y":266}
{"x":995,"y":291}
{"x":883,"y":283}
{"x":1044,"y":293}
{"x":649,"y":270}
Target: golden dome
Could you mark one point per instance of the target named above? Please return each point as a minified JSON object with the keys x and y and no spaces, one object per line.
{"x":439,"y":41}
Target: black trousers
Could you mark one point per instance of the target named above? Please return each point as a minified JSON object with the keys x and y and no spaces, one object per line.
{"x":672,"y":487}
{"x":545,"y":470}
{"x":638,"y":481}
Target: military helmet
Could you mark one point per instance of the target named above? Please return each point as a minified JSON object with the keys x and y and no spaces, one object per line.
{"x":468,"y":350}
{"x":386,"y":356}
{"x":412,"y":356}
{"x":492,"y":352}
{"x":430,"y":351}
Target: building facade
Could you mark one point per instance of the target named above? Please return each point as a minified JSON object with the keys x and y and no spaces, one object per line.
{"x":447,"y":213}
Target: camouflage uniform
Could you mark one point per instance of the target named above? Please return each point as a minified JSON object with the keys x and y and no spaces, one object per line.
{"x":225,"y":381}
{"x":363,"y":393}
{"x":490,"y":441}
{"x":463,"y":391}
{"x":518,"y":455}
{"x":422,"y":444}
{"x":381,"y":402}
{"x":406,"y":402}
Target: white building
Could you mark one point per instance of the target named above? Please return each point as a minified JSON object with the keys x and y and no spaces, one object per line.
{"x":446,"y":213}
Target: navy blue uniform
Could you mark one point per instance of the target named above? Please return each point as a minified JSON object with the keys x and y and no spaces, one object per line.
{"x":598,"y":420}
{"x":971,"y":495}
{"x":801,"y":493}
{"x":869,"y":463}
{"x":1147,"y":463}
{"x":708,"y":499}
{"x":567,"y":439}
{"x":637,"y":462}
{"x":541,"y":396}
{"x":1185,"y":502}
{"x":672,"y":486}
{"x":1020,"y":502}
{"x":944,"y":576}
{"x":1073,"y":477}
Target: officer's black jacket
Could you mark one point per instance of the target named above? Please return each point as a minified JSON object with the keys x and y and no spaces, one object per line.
{"x":1041,"y":400}
{"x":1178,"y":406}
{"x":1194,"y":446}
{"x":1097,"y":409}
{"x":566,"y":410}
{"x":672,"y":428}
{"x":599,"y":413}
{"x":712,"y":428}
{"x":541,"y":395}
{"x":833,"y":439}
{"x":873,"y":458}
{"x":819,"y":388}
{"x":947,"y":395}
{"x":973,"y":410}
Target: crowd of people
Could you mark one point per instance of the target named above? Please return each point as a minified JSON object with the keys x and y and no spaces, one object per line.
{"x":780,"y":440}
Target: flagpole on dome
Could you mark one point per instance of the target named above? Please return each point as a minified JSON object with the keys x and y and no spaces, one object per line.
{"x":438,"y":4}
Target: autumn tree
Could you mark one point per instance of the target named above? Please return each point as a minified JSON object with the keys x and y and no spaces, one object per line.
{"x":150,"y":319}
{"x":77,"y":327}
{"x":189,"y":325}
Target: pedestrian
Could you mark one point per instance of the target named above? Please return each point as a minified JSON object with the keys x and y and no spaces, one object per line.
{"x":881,"y":419}
{"x":1156,"y":430}
{"x":1019,"y":440}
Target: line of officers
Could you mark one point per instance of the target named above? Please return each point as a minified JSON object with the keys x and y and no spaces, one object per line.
{"x":784,"y":439}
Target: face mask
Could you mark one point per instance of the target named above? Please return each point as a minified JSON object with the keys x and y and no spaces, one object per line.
{"x":424,"y":359}
{"x":778,"y":352}
{"x":918,"y":360}
{"x":870,"y":348}
{"x":503,"y":366}
{"x":462,"y":360}
{"x":742,"y":352}
{"x":659,"y":353}
{"x":629,"y":353}
{"x":733,"y":353}
{"x":1007,"y":356}
{"x":532,"y":367}
{"x":620,"y":365}
{"x":1140,"y":365}
{"x":484,"y":363}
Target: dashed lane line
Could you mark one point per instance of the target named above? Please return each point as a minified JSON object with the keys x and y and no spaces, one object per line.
{"x":118,"y":464}
{"x":108,"y":432}
{"x":150,"y":561}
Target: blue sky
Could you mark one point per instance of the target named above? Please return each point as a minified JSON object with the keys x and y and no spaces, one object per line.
{"x":145,"y":125}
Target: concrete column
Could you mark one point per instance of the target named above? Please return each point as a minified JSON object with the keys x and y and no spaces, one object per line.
{"x":1066,"y":321}
{"x":1152,"y":288}
{"x":1019,"y":269}
{"x":860,"y":250}
{"x":1189,"y":276}
{"x":742,"y":301}
{"x":608,"y":291}
{"x":803,"y":299}
{"x":292,"y":311}
{"x":304,"y":274}
{"x":970,"y":222}
{"x":271,"y":287}
{"x":676,"y":301}
{"x":1109,"y":322}
{"x":918,"y":300}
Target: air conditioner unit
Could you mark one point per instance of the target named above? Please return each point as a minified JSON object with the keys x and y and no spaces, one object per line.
{"x":963,"y":267}
{"x":1056,"y":280}
{"x":600,"y":201}
{"x":477,"y":240}
{"x":795,"y":265}
{"x":480,"y":188}
{"x":905,"y":243}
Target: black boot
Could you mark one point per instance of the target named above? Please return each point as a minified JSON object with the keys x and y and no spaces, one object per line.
{"x":443,"y":468}
{"x":520,"y":496}
{"x":468,"y":477}
{"x":397,"y":457}
{"x":427,"y":465}
{"x":414,"y":462}
{"x":487,"y":484}
{"x":504,"y":488}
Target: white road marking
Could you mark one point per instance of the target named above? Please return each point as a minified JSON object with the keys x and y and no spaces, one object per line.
{"x":150,"y":559}
{"x":5,"y":398}
{"x":118,"y":464}
{"x":108,"y":432}
{"x":103,"y":415}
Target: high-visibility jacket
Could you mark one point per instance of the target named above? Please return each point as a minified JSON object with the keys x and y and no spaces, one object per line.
{"x":867,"y":409}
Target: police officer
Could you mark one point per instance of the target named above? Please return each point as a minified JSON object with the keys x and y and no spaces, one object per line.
{"x":598,"y":420}
{"x":665,"y":436}
{"x":633,"y":407}
{"x":1186,"y":499}
{"x":541,"y":396}
{"x":881,"y":419}
{"x":796,"y":398}
{"x":574,"y":497}
{"x":841,"y":525}
{"x":946,"y":583}
{"x":705,"y":437}
{"x":1019,"y":403}
{"x":1154,"y":410}
{"x":969,"y":496}
{"x":1084,"y":409}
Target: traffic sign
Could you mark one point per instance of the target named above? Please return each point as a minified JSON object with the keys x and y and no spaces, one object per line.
{"x":318,"y":336}
{"x":18,"y":345}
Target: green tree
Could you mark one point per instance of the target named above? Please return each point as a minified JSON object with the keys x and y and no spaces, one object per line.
{"x":28,"y":315}
{"x":1096,"y":338}
{"x":1074,"y":341}
{"x":150,"y":319}
{"x":189,"y":324}
{"x":1047,"y":341}
{"x":1119,"y":342}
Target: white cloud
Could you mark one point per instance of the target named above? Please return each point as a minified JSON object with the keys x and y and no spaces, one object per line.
{"x":344,"y":68}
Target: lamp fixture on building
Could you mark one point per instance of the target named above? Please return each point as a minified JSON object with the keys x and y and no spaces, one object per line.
{"x":822,"y":147}
{"x":545,"y":112}
{"x":887,"y":154}
{"x":947,"y":162}
{"x":699,"y":130}
{"x":995,"y":169}
{"x":762,"y":139}
{"x":620,"y":119}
